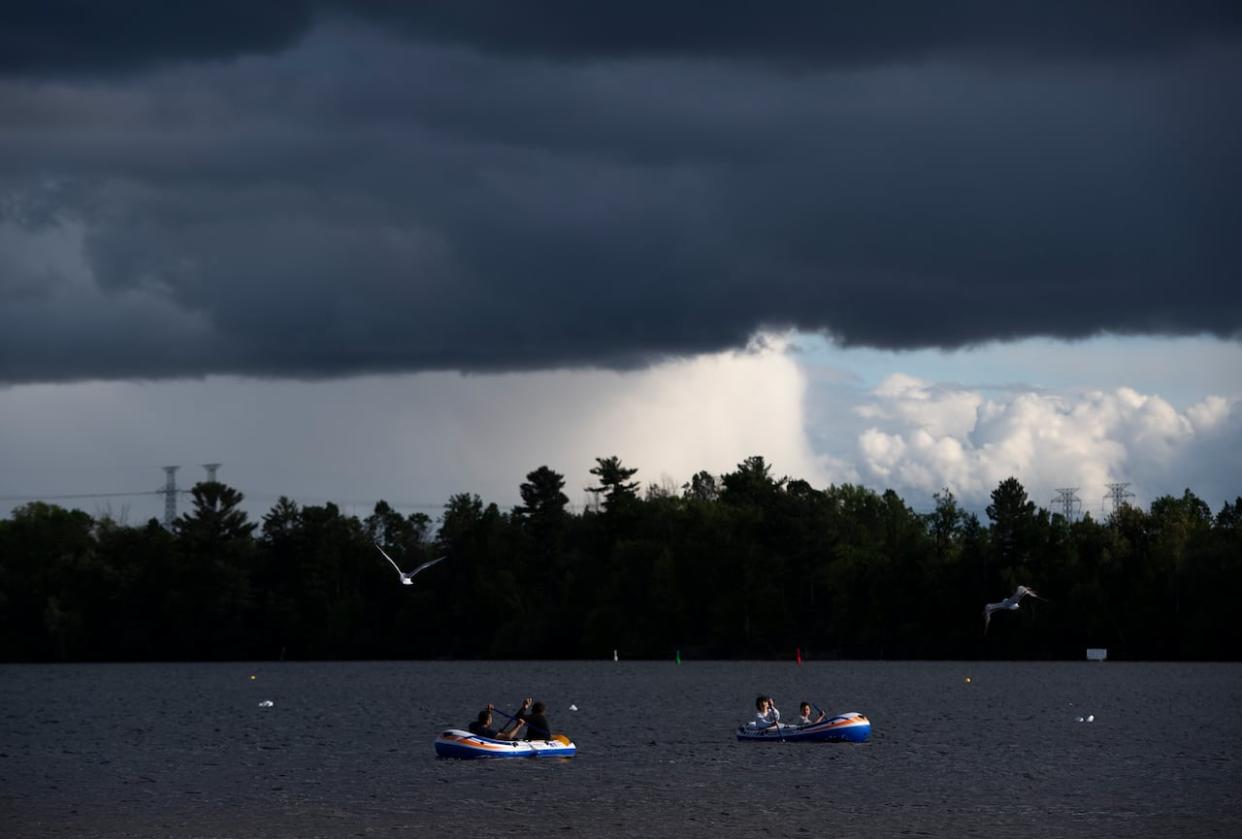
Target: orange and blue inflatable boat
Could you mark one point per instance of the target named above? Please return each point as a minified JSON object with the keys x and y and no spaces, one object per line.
{"x":844,"y":728}
{"x":464,"y":745}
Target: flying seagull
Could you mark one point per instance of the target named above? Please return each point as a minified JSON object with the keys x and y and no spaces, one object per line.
{"x":1011,"y":602}
{"x":408,"y":579}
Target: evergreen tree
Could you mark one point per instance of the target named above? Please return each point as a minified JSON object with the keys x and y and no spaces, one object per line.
{"x":775,"y":563}
{"x":542,"y":498}
{"x":702,"y":487}
{"x":614,"y":483}
{"x":1013,"y":523}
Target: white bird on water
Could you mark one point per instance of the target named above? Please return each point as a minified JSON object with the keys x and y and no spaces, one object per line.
{"x":1011,"y":602}
{"x":407,"y":579}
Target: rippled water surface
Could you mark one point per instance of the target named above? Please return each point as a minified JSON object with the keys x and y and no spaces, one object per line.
{"x":185,"y":750}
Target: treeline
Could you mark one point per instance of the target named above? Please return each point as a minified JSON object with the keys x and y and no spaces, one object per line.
{"x":737,"y":566}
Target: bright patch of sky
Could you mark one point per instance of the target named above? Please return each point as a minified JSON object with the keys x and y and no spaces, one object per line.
{"x":1182,"y":370}
{"x":412,"y":440}
{"x":1163,"y":415}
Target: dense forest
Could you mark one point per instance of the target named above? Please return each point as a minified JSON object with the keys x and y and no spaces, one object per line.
{"x":742,"y":565}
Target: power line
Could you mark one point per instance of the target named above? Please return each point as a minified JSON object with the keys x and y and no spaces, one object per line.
{"x":255,"y":494}
{"x":169,"y":490}
{"x":301,"y":499}
{"x":41,"y":497}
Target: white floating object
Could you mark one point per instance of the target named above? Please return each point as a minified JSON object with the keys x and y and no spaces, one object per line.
{"x":266,"y":703}
{"x":1077,"y":719}
{"x":573,"y":707}
{"x":1090,"y":717}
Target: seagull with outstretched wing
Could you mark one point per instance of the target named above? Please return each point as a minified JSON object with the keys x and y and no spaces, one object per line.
{"x":1009,"y":603}
{"x":407,"y":578}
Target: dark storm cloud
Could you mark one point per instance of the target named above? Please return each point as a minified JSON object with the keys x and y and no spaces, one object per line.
{"x":810,"y":31}
{"x":363,"y":202}
{"x":67,"y":37}
{"x":70,"y":36}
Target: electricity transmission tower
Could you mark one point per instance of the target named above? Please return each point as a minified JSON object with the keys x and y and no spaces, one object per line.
{"x":1069,"y":502}
{"x":170,"y":491}
{"x":170,"y":496}
{"x":1118,"y":494}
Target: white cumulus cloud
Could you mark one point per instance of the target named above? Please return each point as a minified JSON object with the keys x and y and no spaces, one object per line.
{"x":921,"y":437}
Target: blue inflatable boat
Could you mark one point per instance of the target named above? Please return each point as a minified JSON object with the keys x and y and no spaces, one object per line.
{"x":467,"y":746}
{"x":844,"y":728}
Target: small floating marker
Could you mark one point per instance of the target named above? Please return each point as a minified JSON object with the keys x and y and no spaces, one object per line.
{"x":573,"y":707}
{"x":614,"y":656}
{"x":798,"y":655}
{"x":252,"y":677}
{"x":266,"y":703}
{"x":677,"y":658}
{"x":1078,"y":719}
{"x":1090,"y":717}
{"x":968,"y":680}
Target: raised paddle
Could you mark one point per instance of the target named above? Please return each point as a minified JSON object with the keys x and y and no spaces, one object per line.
{"x":560,"y":738}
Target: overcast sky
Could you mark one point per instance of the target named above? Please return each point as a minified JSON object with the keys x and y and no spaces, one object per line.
{"x":357,"y":250}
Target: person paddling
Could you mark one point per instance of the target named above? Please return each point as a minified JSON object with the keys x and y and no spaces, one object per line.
{"x":766,"y":714}
{"x":482,"y":727}
{"x":537,"y":727}
{"x":804,"y":718}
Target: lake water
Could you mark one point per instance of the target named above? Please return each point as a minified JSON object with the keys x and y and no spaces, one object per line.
{"x":185,"y":750}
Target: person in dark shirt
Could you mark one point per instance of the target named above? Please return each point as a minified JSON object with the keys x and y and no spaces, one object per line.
{"x":537,"y":727}
{"x":482,"y":727}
